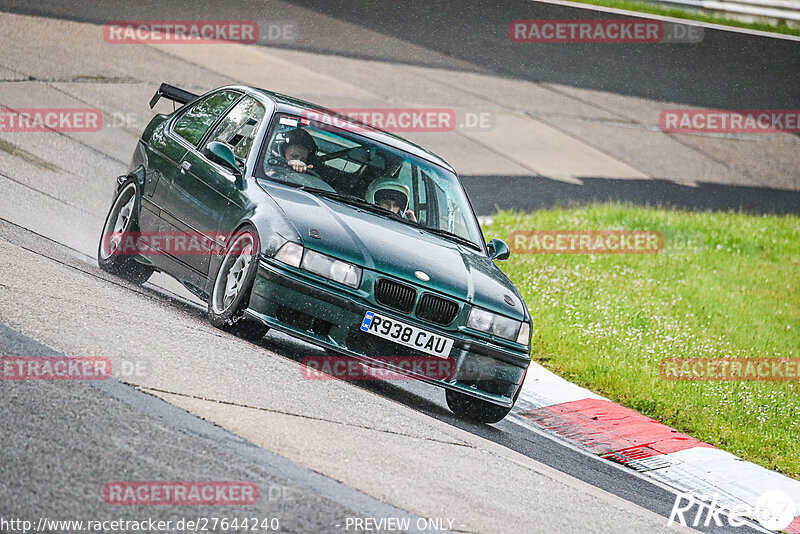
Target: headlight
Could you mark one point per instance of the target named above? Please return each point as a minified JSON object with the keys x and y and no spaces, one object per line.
{"x":321,"y":264}
{"x":497,"y":325}
{"x":290,"y":254}
{"x":336,"y":270}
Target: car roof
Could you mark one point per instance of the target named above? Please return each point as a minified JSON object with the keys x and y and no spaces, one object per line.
{"x":295,"y":106}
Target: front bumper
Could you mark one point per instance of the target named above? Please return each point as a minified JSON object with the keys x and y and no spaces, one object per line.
{"x":331,"y":318}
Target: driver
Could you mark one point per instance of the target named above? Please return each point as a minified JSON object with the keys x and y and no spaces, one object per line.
{"x":391,"y":195}
{"x":296,"y":147}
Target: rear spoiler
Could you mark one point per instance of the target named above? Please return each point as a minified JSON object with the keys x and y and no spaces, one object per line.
{"x":172,"y":93}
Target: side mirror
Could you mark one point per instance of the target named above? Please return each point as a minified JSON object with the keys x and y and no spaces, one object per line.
{"x":498,"y":249}
{"x":222,"y":155}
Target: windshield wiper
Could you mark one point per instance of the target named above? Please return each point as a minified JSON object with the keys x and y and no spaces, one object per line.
{"x":357,"y":201}
{"x":282,"y":182}
{"x":451,"y":236}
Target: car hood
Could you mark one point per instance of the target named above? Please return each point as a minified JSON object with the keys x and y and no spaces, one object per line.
{"x":396,"y":249}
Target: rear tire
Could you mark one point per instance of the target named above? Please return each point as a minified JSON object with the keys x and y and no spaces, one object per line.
{"x":474,"y":410}
{"x":120,"y":222}
{"x":233,"y":284}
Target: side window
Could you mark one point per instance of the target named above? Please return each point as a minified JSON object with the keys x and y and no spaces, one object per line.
{"x":194,"y":122}
{"x":238,"y":128}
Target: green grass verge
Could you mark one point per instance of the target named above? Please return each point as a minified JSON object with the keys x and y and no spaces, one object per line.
{"x":726,"y":284}
{"x":655,"y":9}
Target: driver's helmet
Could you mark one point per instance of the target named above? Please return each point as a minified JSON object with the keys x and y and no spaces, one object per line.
{"x":297,"y":136}
{"x":387,"y":187}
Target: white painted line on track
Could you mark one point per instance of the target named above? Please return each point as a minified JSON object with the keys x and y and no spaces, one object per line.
{"x":545,"y":388}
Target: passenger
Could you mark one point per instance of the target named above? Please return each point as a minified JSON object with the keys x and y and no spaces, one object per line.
{"x":391,"y":195}
{"x":297,"y":146}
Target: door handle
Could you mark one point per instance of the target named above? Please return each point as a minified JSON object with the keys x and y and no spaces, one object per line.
{"x":185,"y":166}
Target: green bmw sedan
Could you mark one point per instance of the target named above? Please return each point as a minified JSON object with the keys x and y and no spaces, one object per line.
{"x":284,"y":215}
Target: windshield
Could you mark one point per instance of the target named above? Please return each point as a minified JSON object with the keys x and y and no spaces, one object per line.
{"x":320,"y":156}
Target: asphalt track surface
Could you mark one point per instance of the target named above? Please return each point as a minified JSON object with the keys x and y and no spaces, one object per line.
{"x":63,"y":441}
{"x":89,"y":432}
{"x":319,"y":444}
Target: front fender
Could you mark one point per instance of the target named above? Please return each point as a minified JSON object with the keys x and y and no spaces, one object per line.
{"x":271,"y":223}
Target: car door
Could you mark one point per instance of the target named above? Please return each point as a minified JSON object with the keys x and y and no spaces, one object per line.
{"x":238,"y":130}
{"x":192,"y":206}
{"x":204,"y":192}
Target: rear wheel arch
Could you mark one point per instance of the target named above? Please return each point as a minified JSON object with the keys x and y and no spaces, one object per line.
{"x":137,"y":172}
{"x":122,"y":218}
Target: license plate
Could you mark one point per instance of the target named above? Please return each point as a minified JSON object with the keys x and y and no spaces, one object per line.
{"x":407,"y":335}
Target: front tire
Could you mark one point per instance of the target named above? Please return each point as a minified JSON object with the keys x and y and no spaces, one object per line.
{"x":474,"y":410}
{"x":121,"y":221}
{"x":233,"y":284}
